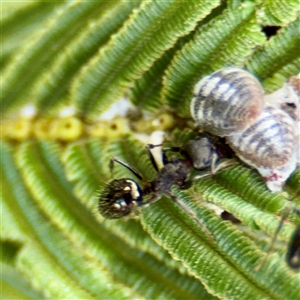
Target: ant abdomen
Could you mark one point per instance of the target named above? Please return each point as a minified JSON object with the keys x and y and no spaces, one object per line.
{"x":227,"y":101}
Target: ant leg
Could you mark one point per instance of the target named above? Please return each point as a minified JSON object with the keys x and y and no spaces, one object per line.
{"x":293,"y":253}
{"x":192,"y":214}
{"x":151,"y":156}
{"x":164,"y":156}
{"x":217,"y":166}
{"x":128,"y":167}
{"x":274,"y":239}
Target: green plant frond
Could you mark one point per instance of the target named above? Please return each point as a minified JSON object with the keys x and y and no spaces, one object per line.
{"x":278,"y":59}
{"x":9,"y":251}
{"x":145,"y":93}
{"x":42,"y":274}
{"x":47,"y":240}
{"x":254,"y":189}
{"x":226,"y":40}
{"x":54,"y":166}
{"x":55,"y":81}
{"x":34,"y":57}
{"x":14,"y":286}
{"x":10,"y":9}
{"x":18,"y":22}
{"x":12,"y":226}
{"x":214,"y":251}
{"x":151,"y":30}
{"x":84,"y":170}
{"x":277,"y":12}
{"x":292,"y":186}
{"x":38,"y":163}
{"x":193,"y":245}
{"x":248,"y":213}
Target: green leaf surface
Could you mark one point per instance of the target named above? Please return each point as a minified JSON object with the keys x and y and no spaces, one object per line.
{"x":14,"y":286}
{"x":226,"y":40}
{"x":68,"y":61}
{"x":279,"y":58}
{"x":18,"y":20}
{"x":151,"y":30}
{"x":30,"y":60}
{"x":77,"y":53}
{"x":38,"y":163}
{"x":277,"y":12}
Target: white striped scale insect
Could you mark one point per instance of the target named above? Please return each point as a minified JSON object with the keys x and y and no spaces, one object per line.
{"x":122,"y":196}
{"x":227,"y":101}
{"x":268,"y":145}
{"x":262,"y":130}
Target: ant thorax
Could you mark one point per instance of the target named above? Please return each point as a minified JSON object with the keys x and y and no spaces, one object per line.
{"x":173,"y":173}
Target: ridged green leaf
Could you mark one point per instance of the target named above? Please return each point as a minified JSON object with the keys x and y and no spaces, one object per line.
{"x":146,"y":91}
{"x":151,"y":30}
{"x":279,"y":58}
{"x":54,"y":267}
{"x":65,"y":66}
{"x":45,"y":42}
{"x":14,"y":286}
{"x":54,"y":242}
{"x":38,"y":163}
{"x":214,"y":248}
{"x":277,"y":12}
{"x":234,"y":34}
{"x":18,"y":20}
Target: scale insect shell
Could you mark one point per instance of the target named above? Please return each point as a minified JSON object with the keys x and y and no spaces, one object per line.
{"x":269,"y":145}
{"x":227,"y":101}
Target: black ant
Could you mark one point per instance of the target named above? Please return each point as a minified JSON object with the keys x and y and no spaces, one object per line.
{"x":121,"y":196}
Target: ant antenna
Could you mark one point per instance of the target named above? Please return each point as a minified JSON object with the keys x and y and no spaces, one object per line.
{"x":128,"y":167}
{"x":291,"y":254}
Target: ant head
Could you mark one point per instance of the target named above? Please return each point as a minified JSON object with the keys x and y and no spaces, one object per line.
{"x":119,"y":198}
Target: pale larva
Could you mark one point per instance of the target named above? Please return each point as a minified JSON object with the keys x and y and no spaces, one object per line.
{"x":227,"y":101}
{"x":269,"y":145}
